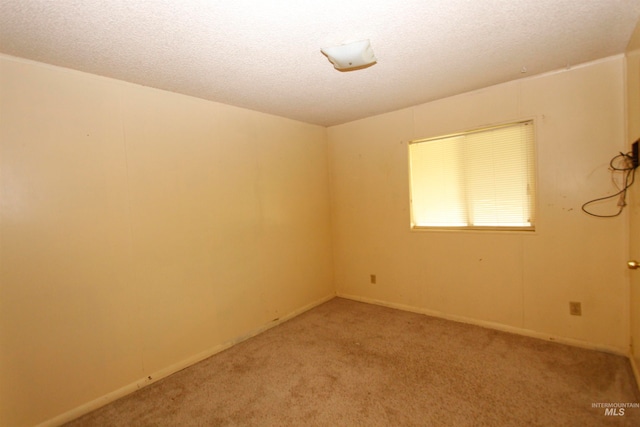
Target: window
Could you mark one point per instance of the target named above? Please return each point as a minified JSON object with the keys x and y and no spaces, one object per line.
{"x":480,"y":179}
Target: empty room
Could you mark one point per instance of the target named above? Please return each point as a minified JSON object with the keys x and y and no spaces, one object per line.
{"x":325,"y":213}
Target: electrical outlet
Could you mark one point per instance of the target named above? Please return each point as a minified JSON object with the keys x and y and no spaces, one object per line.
{"x":575,"y":308}
{"x":373,"y":279}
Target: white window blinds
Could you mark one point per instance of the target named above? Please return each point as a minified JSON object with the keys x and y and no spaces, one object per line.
{"x":478,"y":179}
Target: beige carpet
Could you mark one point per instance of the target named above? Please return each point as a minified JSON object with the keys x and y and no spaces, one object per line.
{"x":346,"y":363}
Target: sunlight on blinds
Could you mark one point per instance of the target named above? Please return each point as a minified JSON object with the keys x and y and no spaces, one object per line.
{"x":482,"y":178}
{"x":437,"y":182}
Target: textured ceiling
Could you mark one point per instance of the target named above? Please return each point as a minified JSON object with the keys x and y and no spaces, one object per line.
{"x":265,"y":54}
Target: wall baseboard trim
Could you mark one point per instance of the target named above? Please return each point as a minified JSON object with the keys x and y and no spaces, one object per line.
{"x":490,"y":325}
{"x":165,"y":372}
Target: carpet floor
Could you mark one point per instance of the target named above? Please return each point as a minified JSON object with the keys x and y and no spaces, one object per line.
{"x":346,"y":363}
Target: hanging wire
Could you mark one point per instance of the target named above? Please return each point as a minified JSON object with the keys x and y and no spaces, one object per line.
{"x":628,"y":177}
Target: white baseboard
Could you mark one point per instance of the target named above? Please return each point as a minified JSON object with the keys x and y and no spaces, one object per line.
{"x":165,"y":372}
{"x":491,"y":325}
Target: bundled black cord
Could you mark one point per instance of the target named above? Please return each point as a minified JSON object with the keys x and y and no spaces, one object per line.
{"x":628,"y":177}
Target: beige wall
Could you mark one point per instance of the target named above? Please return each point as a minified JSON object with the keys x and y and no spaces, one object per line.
{"x":519,"y":281}
{"x":141,"y":230}
{"x":633,"y":134}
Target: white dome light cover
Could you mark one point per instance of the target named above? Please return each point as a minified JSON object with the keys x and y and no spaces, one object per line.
{"x":350,"y":56}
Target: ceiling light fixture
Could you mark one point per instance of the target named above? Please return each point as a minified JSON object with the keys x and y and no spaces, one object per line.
{"x":351,"y":56}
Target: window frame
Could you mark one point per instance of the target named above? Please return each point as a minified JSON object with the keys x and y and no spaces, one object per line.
{"x":529,"y":230}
